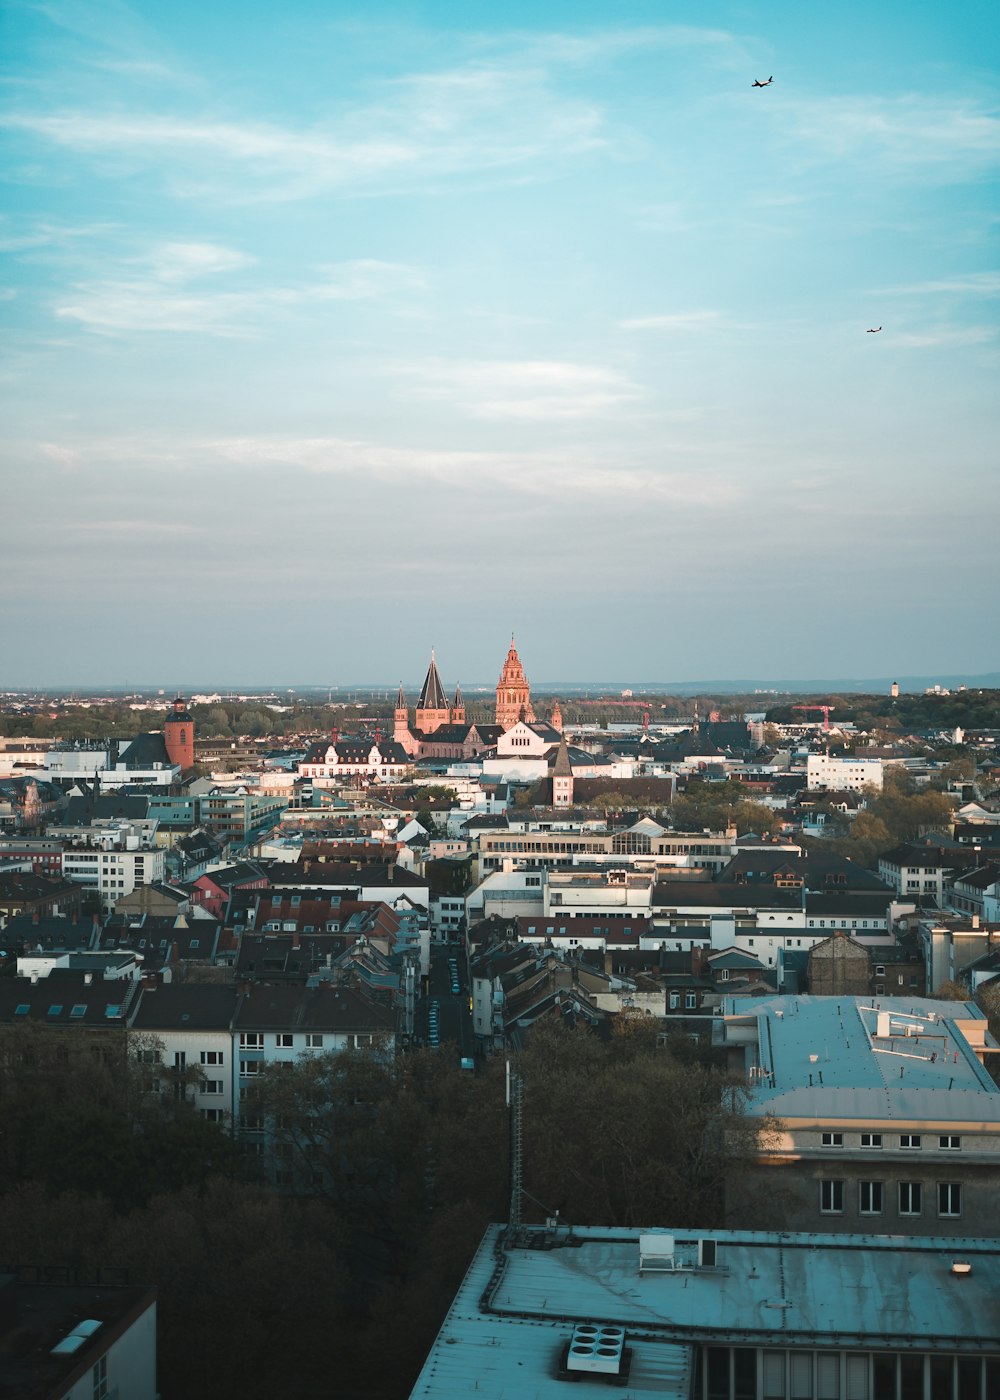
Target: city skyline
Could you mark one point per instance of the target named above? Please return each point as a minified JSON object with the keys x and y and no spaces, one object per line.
{"x":336,"y":334}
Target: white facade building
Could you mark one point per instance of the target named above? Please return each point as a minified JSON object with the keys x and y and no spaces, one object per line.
{"x":824,"y":773}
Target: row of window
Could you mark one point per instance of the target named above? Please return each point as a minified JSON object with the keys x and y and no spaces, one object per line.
{"x":910,"y":1197}
{"x":254,"y":1040}
{"x":913,"y":1142}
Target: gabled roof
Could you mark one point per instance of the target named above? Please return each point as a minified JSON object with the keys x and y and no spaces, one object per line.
{"x":186,"y":1006}
{"x":145,"y":751}
{"x":324,"y":1008}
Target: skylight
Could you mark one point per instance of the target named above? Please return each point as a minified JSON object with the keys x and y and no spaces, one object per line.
{"x":79,"y":1009}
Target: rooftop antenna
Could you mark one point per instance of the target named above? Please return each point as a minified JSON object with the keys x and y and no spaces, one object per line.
{"x":515,"y":1105}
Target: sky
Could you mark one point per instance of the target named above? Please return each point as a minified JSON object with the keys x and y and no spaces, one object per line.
{"x":334,"y":333}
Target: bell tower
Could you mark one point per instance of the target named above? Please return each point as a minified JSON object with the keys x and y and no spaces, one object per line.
{"x":178,"y":735}
{"x":513,"y":692}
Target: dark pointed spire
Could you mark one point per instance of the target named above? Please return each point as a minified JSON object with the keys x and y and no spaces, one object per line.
{"x":432,"y":692}
{"x":401,"y":698}
{"x":562,"y":768}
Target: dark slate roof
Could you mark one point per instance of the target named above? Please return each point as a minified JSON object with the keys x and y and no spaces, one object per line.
{"x":82,"y":811}
{"x":715,"y":894}
{"x":19,"y":886}
{"x":323,"y":1008}
{"x":191,"y":1006}
{"x":232,"y":875}
{"x":952,"y":857}
{"x":728,"y":734}
{"x":51,"y":931}
{"x":324,"y":874}
{"x":817,"y":869}
{"x":849,"y":906}
{"x":144,"y":751}
{"x":432,"y":696}
{"x":95,"y":1003}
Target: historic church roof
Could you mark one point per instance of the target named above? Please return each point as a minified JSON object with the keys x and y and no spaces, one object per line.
{"x":432,"y":695}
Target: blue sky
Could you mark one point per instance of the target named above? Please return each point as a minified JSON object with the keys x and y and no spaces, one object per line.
{"x":337,"y":332}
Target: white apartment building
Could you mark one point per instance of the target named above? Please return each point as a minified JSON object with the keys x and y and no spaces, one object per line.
{"x":826,"y":774}
{"x":114,"y":871}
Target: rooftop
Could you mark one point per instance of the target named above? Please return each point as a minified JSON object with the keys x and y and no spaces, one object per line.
{"x":851,"y":1058}
{"x":516,"y":1309}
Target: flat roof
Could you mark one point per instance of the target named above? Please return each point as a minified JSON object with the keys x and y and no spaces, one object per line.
{"x":830,"y":1057}
{"x":516,"y":1308}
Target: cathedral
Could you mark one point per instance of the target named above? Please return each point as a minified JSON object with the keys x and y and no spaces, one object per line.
{"x":440,"y":730}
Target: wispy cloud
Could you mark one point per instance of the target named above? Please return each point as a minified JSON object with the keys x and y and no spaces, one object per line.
{"x":525,"y":390}
{"x":160,"y":297}
{"x":428,"y":125}
{"x":913,"y":133}
{"x":945,"y":336}
{"x":363,"y":279}
{"x":182,"y":262}
{"x":578,"y":474}
{"x":980,"y":284}
{"x":673,"y":321}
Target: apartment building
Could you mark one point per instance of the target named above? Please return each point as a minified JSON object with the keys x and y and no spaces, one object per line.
{"x":886,"y":1119}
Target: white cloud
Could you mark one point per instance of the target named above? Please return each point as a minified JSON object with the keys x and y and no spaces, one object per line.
{"x":367,"y":278}
{"x":674,"y":321}
{"x":982,"y":284}
{"x":181,"y":262}
{"x":912,"y":133}
{"x":526,"y":390}
{"x":945,"y":336}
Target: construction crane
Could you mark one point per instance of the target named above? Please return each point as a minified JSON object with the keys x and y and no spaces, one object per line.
{"x":825,"y":710}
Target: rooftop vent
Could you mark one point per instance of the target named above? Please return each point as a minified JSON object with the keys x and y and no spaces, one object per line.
{"x":656,"y":1252}
{"x":597,"y":1349}
{"x":961,"y":1267}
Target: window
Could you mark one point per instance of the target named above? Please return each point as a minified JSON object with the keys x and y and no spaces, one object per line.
{"x":871,"y":1139}
{"x":831,"y":1197}
{"x":285,"y":1039}
{"x":690,"y":1000}
{"x":213,"y":1115}
{"x":100,"y":1378}
{"x":949,"y":1198}
{"x":55,"y":1009}
{"x":675,"y":1000}
{"x":950,"y":1141}
{"x":213,"y":1086}
{"x":252,"y":1040}
{"x":833,"y":1139}
{"x":249,"y":1069}
{"x":78,"y":1010}
{"x":314,"y":1042}
{"x":910,"y":1193}
{"x":212,"y":1057}
{"x":910,"y":1140}
{"x":870,"y":1197}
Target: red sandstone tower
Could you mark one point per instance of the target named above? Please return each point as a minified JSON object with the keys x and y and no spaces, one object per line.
{"x":178,"y":735}
{"x":513,"y":692}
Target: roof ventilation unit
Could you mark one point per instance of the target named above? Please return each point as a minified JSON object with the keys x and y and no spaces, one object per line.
{"x":656,"y":1252}
{"x":597,"y":1349}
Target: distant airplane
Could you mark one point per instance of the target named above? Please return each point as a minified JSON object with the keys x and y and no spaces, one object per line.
{"x":874,"y":330}
{"x":757,"y":83}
